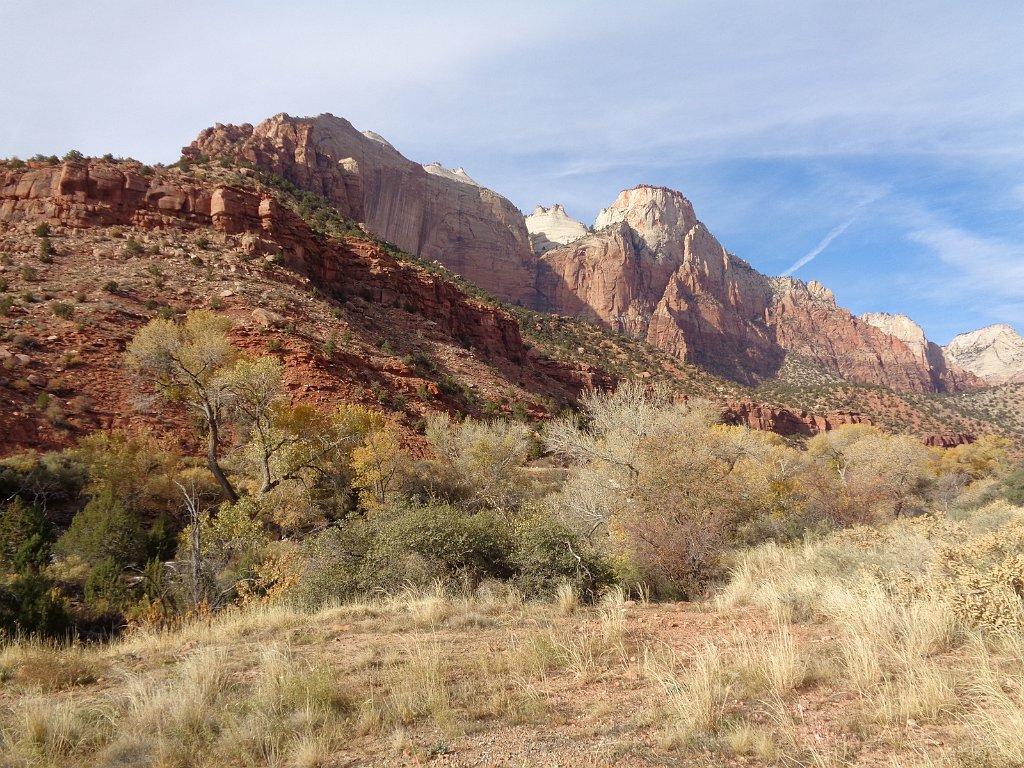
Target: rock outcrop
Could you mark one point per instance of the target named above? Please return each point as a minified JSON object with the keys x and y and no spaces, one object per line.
{"x":430,"y":211}
{"x":552,"y":227}
{"x":946,"y":374}
{"x":995,"y":353}
{"x":786,"y":421}
{"x":652,"y":270}
{"x":948,"y":439}
{"x":84,"y":195}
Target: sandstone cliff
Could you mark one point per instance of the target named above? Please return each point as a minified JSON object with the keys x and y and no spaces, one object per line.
{"x":946,"y":374}
{"x":87,"y":195}
{"x":654,"y":271}
{"x":430,"y":211}
{"x":552,"y":227}
{"x":995,"y":353}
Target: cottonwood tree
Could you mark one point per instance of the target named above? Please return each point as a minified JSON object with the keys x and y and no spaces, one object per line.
{"x":487,"y":457}
{"x":184,"y":361}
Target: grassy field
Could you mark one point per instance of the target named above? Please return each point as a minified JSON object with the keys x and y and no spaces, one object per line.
{"x":897,"y":646}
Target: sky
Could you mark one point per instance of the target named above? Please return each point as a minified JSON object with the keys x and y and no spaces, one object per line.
{"x":875,"y":146}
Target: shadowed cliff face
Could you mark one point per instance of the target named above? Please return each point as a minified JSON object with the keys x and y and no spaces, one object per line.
{"x":437,"y":215}
{"x":653,"y":271}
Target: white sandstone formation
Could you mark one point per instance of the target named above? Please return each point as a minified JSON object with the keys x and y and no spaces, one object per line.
{"x":552,"y":227}
{"x":995,"y":353}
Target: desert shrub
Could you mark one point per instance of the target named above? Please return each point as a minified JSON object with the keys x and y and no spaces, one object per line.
{"x":486,"y":456}
{"x":104,"y":529}
{"x":548,"y":553}
{"x":51,"y":481}
{"x":25,"y":537}
{"x":1013,"y":486}
{"x":46,"y":250}
{"x":420,"y":544}
{"x":105,"y":588}
{"x":135,"y":468}
{"x":31,"y":605}
{"x":231,"y":544}
{"x":134,"y":247}
{"x":981,"y":576}
{"x":60,"y":309}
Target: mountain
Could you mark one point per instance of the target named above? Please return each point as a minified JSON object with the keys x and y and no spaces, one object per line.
{"x":351,"y":318}
{"x":995,"y":353}
{"x":652,"y":270}
{"x":947,"y":373}
{"x":552,"y":227}
{"x":429,"y":211}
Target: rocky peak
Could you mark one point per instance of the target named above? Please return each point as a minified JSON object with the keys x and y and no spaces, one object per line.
{"x":794,"y":289}
{"x":900,"y":326}
{"x":430,"y":211}
{"x":657,"y":214}
{"x":552,"y":227}
{"x":995,"y":353}
{"x":459,"y":174}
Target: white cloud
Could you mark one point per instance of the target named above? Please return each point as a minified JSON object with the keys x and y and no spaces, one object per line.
{"x":986,"y":268}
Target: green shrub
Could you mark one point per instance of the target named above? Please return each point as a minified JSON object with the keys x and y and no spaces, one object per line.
{"x":104,"y":529}
{"x":42,"y":230}
{"x":30,"y":605}
{"x":105,"y":589}
{"x":46,"y":250}
{"x":60,"y":309}
{"x":422,"y":544}
{"x":25,"y":539}
{"x":134,"y":247}
{"x":110,"y":286}
{"x":548,"y":553}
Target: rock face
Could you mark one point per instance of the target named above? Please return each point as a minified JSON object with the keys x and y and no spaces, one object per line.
{"x":946,"y":374}
{"x":786,"y":421}
{"x":995,"y":353}
{"x":85,"y":194}
{"x":654,"y":271}
{"x":552,"y":227}
{"x":430,"y":211}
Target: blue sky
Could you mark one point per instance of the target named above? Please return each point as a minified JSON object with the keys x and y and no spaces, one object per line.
{"x":883,"y":139}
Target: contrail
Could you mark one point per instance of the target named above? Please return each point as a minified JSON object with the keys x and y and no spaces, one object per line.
{"x":827,"y":239}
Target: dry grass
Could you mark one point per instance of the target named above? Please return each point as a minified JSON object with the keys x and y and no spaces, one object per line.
{"x":808,"y":657}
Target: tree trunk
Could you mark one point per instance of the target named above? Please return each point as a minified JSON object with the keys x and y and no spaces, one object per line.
{"x":211,"y":462}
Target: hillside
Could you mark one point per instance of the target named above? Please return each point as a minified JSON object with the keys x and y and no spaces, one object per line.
{"x":649,"y":268}
{"x":351,"y":319}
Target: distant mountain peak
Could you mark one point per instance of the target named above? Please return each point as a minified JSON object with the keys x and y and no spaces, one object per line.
{"x":995,"y":352}
{"x":551,"y":227}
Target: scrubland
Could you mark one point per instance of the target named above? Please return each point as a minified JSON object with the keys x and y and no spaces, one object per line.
{"x":650,"y":588}
{"x":870,"y":646}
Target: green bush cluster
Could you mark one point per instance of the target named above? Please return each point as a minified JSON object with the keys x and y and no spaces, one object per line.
{"x":418,"y":545}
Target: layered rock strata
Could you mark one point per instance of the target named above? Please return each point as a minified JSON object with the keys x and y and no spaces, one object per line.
{"x":430,"y":211}
{"x":945,"y":373}
{"x":652,"y":270}
{"x":86,"y":195}
{"x":995,"y":353}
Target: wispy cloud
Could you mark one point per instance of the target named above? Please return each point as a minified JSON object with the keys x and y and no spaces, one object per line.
{"x":987,"y":267}
{"x":826,"y":241}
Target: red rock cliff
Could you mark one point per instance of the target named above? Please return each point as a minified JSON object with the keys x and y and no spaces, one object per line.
{"x":434,"y":214}
{"x":97,"y":194}
{"x":652,"y":270}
